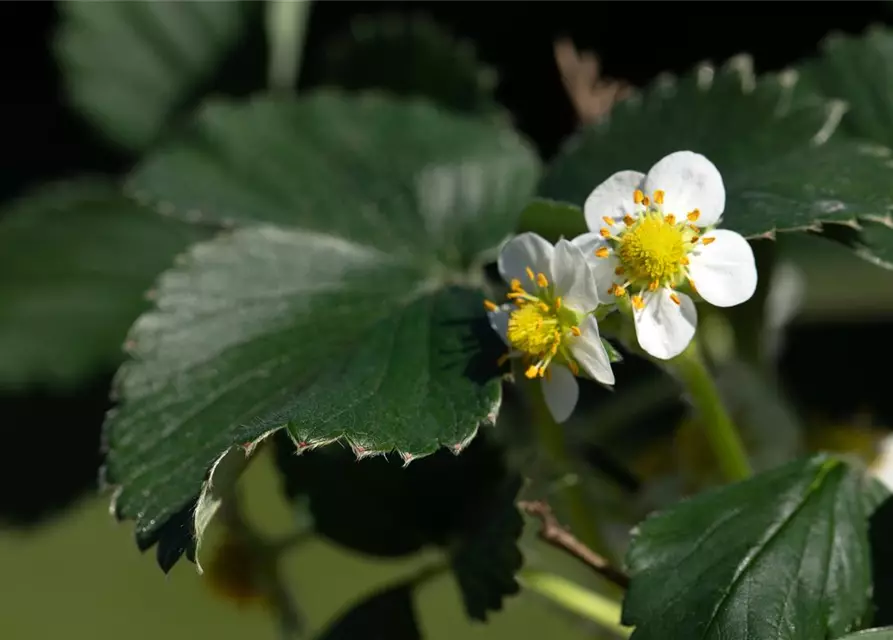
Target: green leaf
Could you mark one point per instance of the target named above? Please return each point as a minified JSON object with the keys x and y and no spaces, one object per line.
{"x":129,"y":67}
{"x":78,"y":259}
{"x":362,"y":322}
{"x":552,"y":220}
{"x":464,"y":504}
{"x":409,"y":56}
{"x":781,"y":556}
{"x":486,"y":560}
{"x":388,"y":613}
{"x":783,"y":166}
{"x":859,"y":70}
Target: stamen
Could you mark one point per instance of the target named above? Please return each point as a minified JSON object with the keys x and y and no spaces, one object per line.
{"x":628,"y":220}
{"x":541,"y":280}
{"x":573,"y":367}
{"x":618,"y":291}
{"x":602,"y":252}
{"x":608,"y":221}
{"x":532,"y":371}
{"x":653,"y":285}
{"x":675,"y":299}
{"x":707,"y":241}
{"x":638,"y":196}
{"x":576,"y":331}
{"x":670,"y":218}
{"x":693,"y":215}
{"x":659,"y":196}
{"x":558,"y":303}
{"x":638,"y":302}
{"x":490,"y":306}
{"x":684,"y":261}
{"x":619,"y":271}
{"x":516,"y":284}
{"x":691,"y":283}
{"x":530,"y":274}
{"x":544,"y":306}
{"x":646,"y":201}
{"x":502,"y":359}
{"x":605,"y":233}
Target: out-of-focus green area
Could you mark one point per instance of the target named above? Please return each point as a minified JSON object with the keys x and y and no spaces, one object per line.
{"x":82,"y":577}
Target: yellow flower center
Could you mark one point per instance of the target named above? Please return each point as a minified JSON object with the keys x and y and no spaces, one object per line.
{"x":540,"y":327}
{"x":534,"y":330}
{"x":652,"y":249}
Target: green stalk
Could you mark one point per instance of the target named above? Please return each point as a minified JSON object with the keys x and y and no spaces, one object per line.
{"x":720,"y":431}
{"x":573,"y":597}
{"x":286,"y":25}
{"x":552,"y":438}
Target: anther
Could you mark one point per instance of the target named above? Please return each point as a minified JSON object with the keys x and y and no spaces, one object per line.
{"x":691,"y":283}
{"x":541,"y":280}
{"x":638,"y":196}
{"x":707,"y":240}
{"x":646,"y":201}
{"x":608,"y":221}
{"x":638,"y":303}
{"x":576,"y":331}
{"x":619,"y":271}
{"x":628,"y":220}
{"x":659,"y":196}
{"x":516,"y":284}
{"x":530,"y":274}
{"x":601,"y":252}
{"x":684,"y":261}
{"x":675,"y":298}
{"x":693,"y":215}
{"x":653,"y":285}
{"x":502,"y":359}
{"x":573,"y":367}
{"x":605,"y":233}
{"x":532,"y":371}
{"x":490,"y":306}
{"x":558,"y":304}
{"x":544,"y":306}
{"x":670,"y":218}
{"x":618,"y":291}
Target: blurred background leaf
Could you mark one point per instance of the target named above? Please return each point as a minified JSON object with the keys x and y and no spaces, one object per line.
{"x":408,"y":55}
{"x":78,"y":259}
{"x":131,"y":68}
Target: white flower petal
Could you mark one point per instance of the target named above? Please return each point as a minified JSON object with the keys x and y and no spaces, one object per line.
{"x":574,"y":280}
{"x":724,"y":271}
{"x":602,"y":268}
{"x":561,"y":392}
{"x":689,"y":181}
{"x":590,"y":353}
{"x":664,"y":329}
{"x":523,"y":251}
{"x":499,"y":321}
{"x":612,"y":198}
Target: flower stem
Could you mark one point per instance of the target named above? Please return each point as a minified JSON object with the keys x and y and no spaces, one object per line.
{"x":551,"y":436}
{"x":573,"y":597}
{"x":720,"y":431}
{"x":286,"y":24}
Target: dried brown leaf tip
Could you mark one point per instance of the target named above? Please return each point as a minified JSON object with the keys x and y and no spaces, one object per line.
{"x":592,"y":95}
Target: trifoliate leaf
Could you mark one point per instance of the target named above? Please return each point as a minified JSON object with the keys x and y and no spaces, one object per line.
{"x":77,"y":259}
{"x":388,"y":614}
{"x":781,"y":556}
{"x":409,"y":56}
{"x":859,"y":70}
{"x":129,"y":67}
{"x":362,"y":322}
{"x":783,"y":167}
{"x":464,"y":504}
